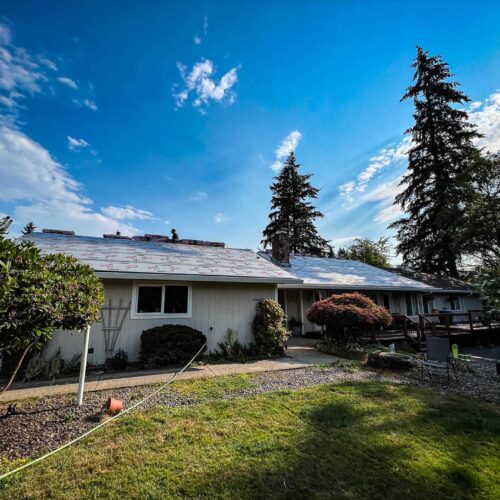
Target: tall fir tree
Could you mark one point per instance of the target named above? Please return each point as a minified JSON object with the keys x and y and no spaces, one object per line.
{"x":292,"y":210}
{"x":441,"y":152}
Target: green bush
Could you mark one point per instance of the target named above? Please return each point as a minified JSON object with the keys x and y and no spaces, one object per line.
{"x":269,"y":327}
{"x":170,"y":345}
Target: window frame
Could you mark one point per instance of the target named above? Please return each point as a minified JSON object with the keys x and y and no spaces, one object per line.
{"x":458,"y":298}
{"x":154,"y":315}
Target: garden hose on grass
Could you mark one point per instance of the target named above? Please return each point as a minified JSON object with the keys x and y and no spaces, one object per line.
{"x":102,"y":424}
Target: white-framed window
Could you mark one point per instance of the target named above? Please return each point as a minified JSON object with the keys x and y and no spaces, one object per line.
{"x":455,"y":304}
{"x":161,"y":300}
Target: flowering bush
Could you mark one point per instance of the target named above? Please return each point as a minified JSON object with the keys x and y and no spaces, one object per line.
{"x":348,"y":314}
{"x":269,"y":327}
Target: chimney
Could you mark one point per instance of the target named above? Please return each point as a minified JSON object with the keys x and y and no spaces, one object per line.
{"x":281,"y":247}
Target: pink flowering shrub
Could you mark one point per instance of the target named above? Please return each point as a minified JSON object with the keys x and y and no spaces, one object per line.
{"x":348,"y":314}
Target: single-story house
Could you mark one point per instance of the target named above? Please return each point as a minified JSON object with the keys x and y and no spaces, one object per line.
{"x":322,"y":277}
{"x":151,"y":280}
{"x":450,"y":294}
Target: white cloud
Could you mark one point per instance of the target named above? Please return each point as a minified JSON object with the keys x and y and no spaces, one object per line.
{"x":347,"y":189}
{"x":288,"y":144}
{"x":391,"y":155}
{"x":76,"y":144}
{"x":44,"y":191}
{"x":127,"y":212}
{"x":388,"y":214}
{"x":486,"y":115}
{"x":68,"y":82}
{"x":49,"y":63}
{"x":20,"y":72}
{"x":205,"y":25}
{"x":200,"y":196}
{"x":197,"y":40}
{"x":338,"y":242}
{"x":87,"y":103}
{"x":220,"y":217}
{"x":203,"y":87}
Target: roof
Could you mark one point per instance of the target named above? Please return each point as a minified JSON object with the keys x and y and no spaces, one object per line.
{"x":321,"y":272}
{"x":445,"y":283}
{"x":125,"y":258}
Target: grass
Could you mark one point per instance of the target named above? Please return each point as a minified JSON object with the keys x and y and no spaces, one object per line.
{"x":350,"y":440}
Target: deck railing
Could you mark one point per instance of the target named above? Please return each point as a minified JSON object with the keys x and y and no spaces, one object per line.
{"x":410,"y":328}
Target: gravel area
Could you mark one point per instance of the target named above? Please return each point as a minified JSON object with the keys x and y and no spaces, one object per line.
{"x":47,"y":423}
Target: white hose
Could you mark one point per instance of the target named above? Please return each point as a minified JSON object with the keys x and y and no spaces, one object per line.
{"x":102,"y":424}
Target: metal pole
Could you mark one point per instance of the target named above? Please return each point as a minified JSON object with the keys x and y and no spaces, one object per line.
{"x":83,"y":366}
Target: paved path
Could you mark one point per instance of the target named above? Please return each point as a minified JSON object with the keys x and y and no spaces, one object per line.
{"x":301,"y":354}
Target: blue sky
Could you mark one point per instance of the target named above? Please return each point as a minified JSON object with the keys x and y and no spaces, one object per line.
{"x":143,"y":116}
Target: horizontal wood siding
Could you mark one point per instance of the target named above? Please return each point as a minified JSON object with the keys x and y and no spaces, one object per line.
{"x":216,"y":307}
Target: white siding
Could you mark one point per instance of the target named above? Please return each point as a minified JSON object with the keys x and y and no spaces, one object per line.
{"x":215,"y":308}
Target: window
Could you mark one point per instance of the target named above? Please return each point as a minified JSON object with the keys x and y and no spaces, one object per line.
{"x":455,"y":303}
{"x":411,"y":304}
{"x":387,"y":302}
{"x":428,"y":305}
{"x":176,"y":300}
{"x":161,"y":301}
{"x":373,"y":297}
{"x":149,"y":299}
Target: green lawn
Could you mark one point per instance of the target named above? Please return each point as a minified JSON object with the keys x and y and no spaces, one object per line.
{"x":354,"y":440}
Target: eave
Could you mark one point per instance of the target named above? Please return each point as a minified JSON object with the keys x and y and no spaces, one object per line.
{"x":194,"y":277}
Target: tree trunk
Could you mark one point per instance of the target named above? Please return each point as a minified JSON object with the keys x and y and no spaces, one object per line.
{"x":16,"y":369}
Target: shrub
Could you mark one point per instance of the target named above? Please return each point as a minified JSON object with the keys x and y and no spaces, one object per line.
{"x":170,"y":345}
{"x":39,"y":294}
{"x":119,"y":360}
{"x":348,"y":314}
{"x":269,"y":327}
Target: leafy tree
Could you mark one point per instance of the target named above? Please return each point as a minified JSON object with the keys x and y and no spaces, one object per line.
{"x":42,"y":293}
{"x":375,"y":253}
{"x":481,"y":228}
{"x":348,"y":314}
{"x":269,"y":327}
{"x":441,"y":152}
{"x":487,"y":283}
{"x":28,"y":228}
{"x":292,"y":210}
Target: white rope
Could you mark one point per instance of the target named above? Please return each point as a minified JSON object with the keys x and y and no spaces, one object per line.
{"x":102,"y":424}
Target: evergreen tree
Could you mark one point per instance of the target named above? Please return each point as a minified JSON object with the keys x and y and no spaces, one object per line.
{"x":441,"y":152}
{"x":28,"y":228}
{"x":292,"y":210}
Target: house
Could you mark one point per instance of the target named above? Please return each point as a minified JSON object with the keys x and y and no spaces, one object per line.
{"x":151,"y":280}
{"x":322,"y":277}
{"x":451,"y":294}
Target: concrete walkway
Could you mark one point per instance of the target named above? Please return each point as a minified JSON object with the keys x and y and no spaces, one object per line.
{"x":301,"y":354}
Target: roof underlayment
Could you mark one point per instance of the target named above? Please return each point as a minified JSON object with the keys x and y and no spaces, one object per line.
{"x":117,"y":258}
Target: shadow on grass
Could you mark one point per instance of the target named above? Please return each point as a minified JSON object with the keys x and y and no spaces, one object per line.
{"x":375,"y":441}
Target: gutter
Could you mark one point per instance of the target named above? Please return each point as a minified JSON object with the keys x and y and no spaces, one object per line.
{"x":340,"y":286}
{"x":194,"y":277}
